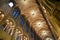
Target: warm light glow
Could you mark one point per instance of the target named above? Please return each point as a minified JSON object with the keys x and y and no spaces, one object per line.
{"x":48,"y":38}
{"x":59,"y":38}
{"x":33,"y":13}
{"x":43,"y":7}
{"x":19,"y":31}
{"x":7,"y":21}
{"x":44,"y":32}
{"x":10,"y":23}
{"x":25,"y":1}
{"x":39,"y":24}
{"x":25,"y":38}
{"x":2,"y":15}
{"x":0,"y":12}
{"x":44,"y":11}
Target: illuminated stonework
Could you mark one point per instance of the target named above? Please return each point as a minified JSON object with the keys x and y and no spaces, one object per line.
{"x":26,"y":37}
{"x":28,"y":22}
{"x":10,"y":22}
{"x":17,"y":35}
{"x":10,"y":25}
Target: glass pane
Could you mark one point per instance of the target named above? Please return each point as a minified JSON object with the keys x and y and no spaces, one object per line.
{"x":21,"y":21}
{"x":15,"y":13}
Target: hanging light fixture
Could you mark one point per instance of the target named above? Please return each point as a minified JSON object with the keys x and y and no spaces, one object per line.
{"x":11,"y":4}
